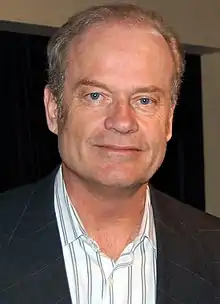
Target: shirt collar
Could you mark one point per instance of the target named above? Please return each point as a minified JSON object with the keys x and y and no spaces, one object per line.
{"x":69,"y":218}
{"x":73,"y":226}
{"x":148,"y":227}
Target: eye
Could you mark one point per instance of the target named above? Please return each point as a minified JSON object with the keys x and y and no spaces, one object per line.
{"x":94,"y":96}
{"x":145,"y":101}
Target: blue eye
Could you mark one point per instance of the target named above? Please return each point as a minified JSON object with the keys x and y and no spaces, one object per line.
{"x":145,"y":100}
{"x":94,"y":95}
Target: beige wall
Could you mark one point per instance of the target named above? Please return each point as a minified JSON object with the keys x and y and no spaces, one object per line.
{"x":196,"y":21}
{"x":211,"y":130}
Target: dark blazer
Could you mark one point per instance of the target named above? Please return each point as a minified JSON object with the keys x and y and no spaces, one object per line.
{"x":32,"y":266}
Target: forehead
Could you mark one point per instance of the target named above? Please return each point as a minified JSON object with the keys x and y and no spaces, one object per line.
{"x":121,"y":51}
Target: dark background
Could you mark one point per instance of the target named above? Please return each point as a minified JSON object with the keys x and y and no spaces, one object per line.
{"x":29,"y":151}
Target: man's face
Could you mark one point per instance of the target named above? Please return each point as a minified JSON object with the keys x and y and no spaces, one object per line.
{"x":117,"y":105}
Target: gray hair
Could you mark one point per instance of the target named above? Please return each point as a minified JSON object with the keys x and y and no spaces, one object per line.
{"x":59,"y":43}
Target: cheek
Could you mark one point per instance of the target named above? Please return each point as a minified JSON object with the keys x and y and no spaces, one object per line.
{"x":69,"y":131}
{"x":155,"y":126}
{"x":81,"y":125}
{"x":86,"y":120}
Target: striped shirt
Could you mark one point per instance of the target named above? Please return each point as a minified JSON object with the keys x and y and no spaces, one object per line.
{"x":93,"y":277}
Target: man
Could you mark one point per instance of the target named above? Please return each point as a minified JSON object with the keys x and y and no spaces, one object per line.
{"x":94,"y":231}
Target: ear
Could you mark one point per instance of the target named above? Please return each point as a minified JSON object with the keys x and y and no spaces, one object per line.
{"x":51,"y":110}
{"x":169,"y":130}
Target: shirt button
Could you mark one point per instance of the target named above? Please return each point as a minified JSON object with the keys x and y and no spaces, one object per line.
{"x":111,"y":281}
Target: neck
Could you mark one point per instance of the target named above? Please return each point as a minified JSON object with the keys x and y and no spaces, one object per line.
{"x":102,"y":202}
{"x":107,"y":212}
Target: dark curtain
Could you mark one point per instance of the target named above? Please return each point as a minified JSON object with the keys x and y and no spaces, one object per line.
{"x":29,"y":150}
{"x":182,"y":172}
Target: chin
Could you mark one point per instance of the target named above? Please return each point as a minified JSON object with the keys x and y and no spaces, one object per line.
{"x":119,"y":179}
{"x":120,"y":184}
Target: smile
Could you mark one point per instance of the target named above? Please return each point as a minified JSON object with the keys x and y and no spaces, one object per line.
{"x":120,"y":149}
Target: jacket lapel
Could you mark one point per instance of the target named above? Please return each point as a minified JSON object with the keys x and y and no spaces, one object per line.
{"x":37,"y":272}
{"x":161,"y":254}
{"x":181,"y":265}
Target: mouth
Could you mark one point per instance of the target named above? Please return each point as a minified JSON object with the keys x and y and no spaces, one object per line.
{"x":120,"y":149}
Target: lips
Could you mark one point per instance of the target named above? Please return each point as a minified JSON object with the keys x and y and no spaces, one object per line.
{"x":120,"y":148}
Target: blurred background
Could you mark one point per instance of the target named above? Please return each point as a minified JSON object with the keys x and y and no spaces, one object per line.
{"x":29,"y":151}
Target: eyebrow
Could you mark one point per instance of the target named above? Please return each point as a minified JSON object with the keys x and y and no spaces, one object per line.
{"x":91,"y":83}
{"x":135,"y":90}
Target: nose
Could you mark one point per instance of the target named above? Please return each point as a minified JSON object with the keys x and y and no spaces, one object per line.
{"x":121,"y":118}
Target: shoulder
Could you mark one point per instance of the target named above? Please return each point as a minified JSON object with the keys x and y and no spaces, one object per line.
{"x":188,"y":240}
{"x":12,"y":201}
{"x":15,"y":203}
{"x":19,"y":197}
{"x":12,"y":206}
{"x":172,"y":208}
{"x":187,"y":226}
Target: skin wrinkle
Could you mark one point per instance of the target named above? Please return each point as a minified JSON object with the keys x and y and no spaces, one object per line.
{"x":107,"y":186}
{"x":79,"y":39}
